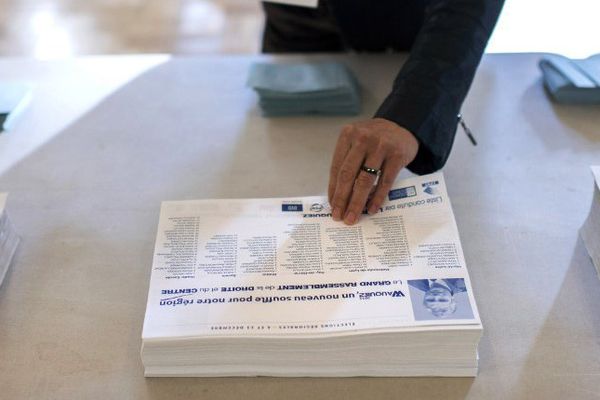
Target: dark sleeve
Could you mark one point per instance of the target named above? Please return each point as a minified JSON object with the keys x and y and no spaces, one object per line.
{"x":432,"y":84}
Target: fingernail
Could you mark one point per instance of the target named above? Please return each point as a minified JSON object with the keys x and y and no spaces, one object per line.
{"x":372,"y":210}
{"x":350,"y":218}
{"x":336,"y":214}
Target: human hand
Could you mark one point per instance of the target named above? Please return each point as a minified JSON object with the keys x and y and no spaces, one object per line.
{"x":378,"y":144}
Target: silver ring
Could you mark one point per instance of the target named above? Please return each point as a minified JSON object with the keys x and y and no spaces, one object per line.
{"x":372,"y":171}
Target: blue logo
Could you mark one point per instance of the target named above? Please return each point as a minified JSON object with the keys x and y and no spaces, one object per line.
{"x":296,"y":207}
{"x":402,"y":193}
{"x":430,"y":187}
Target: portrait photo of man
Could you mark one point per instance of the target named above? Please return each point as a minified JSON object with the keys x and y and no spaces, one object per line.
{"x":440,"y":299}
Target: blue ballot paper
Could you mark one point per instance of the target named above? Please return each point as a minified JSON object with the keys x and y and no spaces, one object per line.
{"x":572,"y":81}
{"x":14,"y":98}
{"x":327,"y":88}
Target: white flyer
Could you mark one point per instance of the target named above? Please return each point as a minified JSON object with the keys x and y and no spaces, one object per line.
{"x":256,"y":267}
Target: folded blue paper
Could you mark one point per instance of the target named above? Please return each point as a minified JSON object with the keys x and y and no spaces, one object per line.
{"x":572,"y":81}
{"x":303,"y":89}
{"x":14,"y":98}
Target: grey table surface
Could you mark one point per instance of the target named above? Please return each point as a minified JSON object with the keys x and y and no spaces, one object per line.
{"x":107,"y":139}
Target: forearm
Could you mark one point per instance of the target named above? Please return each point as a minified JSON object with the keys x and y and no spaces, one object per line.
{"x":431,"y":86}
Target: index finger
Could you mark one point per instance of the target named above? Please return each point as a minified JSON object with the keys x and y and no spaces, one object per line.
{"x":345,"y":181}
{"x":342,"y":148}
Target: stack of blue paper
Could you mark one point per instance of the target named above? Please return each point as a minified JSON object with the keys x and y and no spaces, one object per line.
{"x":572,"y":81}
{"x":300,"y":89}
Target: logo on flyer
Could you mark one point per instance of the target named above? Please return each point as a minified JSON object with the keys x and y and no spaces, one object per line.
{"x":316,"y":210}
{"x":292,"y":206}
{"x":316,"y":207}
{"x":402,"y":193}
{"x":430,"y":187}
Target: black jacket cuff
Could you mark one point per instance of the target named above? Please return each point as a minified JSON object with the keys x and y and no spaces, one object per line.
{"x":434,"y":133}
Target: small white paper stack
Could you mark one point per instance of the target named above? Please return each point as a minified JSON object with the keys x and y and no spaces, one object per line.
{"x":8,"y":239}
{"x":590,"y":231}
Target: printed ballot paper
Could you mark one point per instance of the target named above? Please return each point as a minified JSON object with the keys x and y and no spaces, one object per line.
{"x":276,"y":287}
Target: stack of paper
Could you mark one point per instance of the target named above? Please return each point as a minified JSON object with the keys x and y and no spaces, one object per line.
{"x":572,"y":81}
{"x":298,"y":89}
{"x":8,"y":239}
{"x":276,"y":287}
{"x":590,"y":231}
{"x":14,"y":98}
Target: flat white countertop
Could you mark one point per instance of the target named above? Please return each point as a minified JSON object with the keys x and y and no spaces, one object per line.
{"x":106,"y":139}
